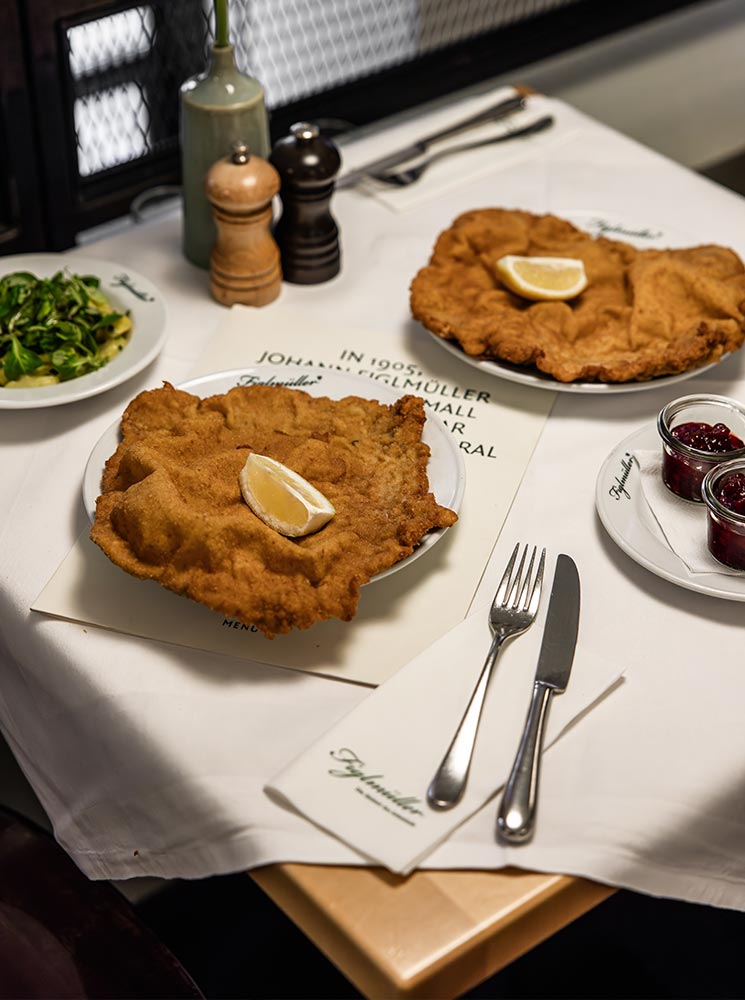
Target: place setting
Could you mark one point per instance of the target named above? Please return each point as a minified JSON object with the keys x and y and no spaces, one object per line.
{"x":393,"y":781}
{"x":271,"y":443}
{"x":334,"y":600}
{"x":407,"y":613}
{"x":379,"y":534}
{"x":480,"y":135}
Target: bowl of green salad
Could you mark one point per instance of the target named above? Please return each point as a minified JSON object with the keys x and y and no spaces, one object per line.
{"x":72,"y":327}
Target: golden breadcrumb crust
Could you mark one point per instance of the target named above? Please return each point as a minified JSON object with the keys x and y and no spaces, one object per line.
{"x":643,"y":314}
{"x":171,"y":507}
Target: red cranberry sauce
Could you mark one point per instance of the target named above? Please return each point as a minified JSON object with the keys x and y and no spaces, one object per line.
{"x":726,"y":540}
{"x":707,"y":437}
{"x":730,"y":492}
{"x":683,"y":474}
{"x":726,"y":543}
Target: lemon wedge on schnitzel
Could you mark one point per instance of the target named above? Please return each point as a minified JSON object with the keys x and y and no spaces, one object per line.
{"x":543,"y":279}
{"x":283,"y":499}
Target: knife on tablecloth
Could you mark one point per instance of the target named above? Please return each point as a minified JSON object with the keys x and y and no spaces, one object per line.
{"x":516,"y":817}
{"x":493,"y":113}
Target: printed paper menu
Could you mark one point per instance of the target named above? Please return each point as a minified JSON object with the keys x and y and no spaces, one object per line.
{"x":495,"y":424}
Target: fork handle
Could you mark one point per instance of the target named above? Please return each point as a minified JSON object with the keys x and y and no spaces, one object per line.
{"x":447,"y":787}
{"x":517,"y":810}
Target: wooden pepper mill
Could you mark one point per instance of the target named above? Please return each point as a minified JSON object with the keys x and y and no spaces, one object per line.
{"x":307,"y":234}
{"x":245,"y":261}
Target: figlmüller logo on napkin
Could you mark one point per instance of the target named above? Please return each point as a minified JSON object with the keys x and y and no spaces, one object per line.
{"x":403,"y":807}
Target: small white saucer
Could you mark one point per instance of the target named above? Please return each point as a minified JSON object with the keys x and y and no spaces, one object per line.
{"x":627,"y":518}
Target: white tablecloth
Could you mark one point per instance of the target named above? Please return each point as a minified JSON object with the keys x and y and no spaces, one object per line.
{"x":645,"y":792}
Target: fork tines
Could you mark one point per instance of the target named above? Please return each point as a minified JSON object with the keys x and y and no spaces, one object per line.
{"x":514,"y":590}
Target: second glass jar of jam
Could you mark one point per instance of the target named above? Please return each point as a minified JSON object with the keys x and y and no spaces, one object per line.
{"x":699,"y":433}
{"x":723,"y":492}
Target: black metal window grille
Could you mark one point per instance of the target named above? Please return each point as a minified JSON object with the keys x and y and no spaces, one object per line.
{"x":103,"y":76}
{"x":123,"y":71}
{"x":300,"y":47}
{"x":296,"y":48}
{"x":112,"y":125}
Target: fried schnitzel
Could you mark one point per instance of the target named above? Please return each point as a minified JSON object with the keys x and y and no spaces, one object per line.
{"x":171,"y":508}
{"x":644,"y":313}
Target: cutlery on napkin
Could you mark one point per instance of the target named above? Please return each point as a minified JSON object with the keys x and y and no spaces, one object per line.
{"x":365,"y":781}
{"x":419,"y":147}
{"x":492,"y":150}
{"x":406,"y":175}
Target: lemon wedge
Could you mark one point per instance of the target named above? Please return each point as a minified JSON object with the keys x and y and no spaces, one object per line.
{"x":543,"y":279}
{"x":283,"y":499}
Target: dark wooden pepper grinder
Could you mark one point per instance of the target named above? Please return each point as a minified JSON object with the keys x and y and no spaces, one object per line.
{"x":245,"y":263}
{"x":306,"y":233}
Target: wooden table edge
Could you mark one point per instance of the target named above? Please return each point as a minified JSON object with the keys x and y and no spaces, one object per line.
{"x":432,"y":934}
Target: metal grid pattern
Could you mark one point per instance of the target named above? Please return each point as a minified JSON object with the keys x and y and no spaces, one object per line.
{"x":110,"y":41}
{"x":301,"y":47}
{"x":111,"y":127}
{"x":126,"y":80}
{"x":126,"y":69}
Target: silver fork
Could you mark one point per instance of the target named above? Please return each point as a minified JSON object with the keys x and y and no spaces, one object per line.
{"x":410,"y":175}
{"x":513,"y":611}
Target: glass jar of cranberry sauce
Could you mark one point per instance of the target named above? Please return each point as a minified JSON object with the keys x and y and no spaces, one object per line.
{"x":723,"y":492}
{"x":699,"y":433}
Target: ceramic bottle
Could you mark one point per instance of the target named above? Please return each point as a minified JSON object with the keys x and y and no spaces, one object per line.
{"x":219,"y":107}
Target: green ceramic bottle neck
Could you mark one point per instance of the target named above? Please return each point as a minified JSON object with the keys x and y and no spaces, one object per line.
{"x":222,"y":83}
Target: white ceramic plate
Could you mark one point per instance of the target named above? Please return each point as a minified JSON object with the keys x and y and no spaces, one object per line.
{"x":629,"y":522}
{"x":446,"y":469}
{"x":615,"y":227}
{"x":127,"y":291}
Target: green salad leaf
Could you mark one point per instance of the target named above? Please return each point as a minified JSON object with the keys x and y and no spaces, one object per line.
{"x":59,"y":327}
{"x":20,"y":360}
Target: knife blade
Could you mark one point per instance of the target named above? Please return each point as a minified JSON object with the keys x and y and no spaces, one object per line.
{"x":493,"y":113}
{"x":516,"y":816}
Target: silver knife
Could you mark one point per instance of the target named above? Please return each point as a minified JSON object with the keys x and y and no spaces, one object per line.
{"x":493,"y":113}
{"x":516,"y":817}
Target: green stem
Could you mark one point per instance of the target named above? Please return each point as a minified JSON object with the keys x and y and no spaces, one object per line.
{"x":222,"y":31}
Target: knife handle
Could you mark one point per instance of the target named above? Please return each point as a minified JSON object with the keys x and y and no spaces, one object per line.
{"x":516,"y":815}
{"x":500,"y":110}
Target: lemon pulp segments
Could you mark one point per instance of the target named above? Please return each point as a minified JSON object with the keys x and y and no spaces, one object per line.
{"x":556,"y":279}
{"x":543,"y":278}
{"x":273,"y":495}
{"x":283,"y":499}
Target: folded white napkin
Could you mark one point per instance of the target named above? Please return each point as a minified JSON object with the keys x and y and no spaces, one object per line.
{"x":365,"y":780}
{"x":681,"y":524}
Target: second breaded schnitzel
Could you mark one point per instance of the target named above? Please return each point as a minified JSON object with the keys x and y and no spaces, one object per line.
{"x":644,"y":313}
{"x":171,"y":507}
